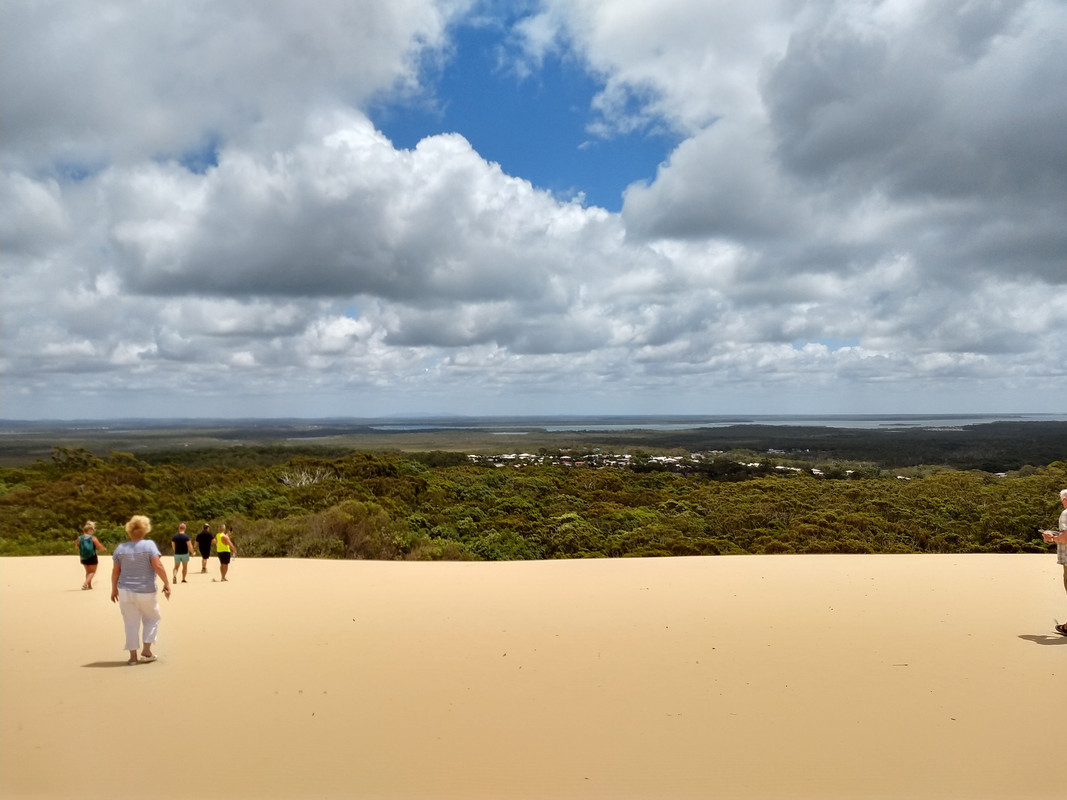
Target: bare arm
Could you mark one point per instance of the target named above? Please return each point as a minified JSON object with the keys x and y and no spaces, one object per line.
{"x":99,"y":546}
{"x":116,"y":570}
{"x":157,"y":565}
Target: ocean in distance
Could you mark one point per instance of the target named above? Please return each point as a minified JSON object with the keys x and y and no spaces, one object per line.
{"x":317,"y":428}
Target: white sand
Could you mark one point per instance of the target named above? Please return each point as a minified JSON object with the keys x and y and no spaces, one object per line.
{"x":732,"y":677}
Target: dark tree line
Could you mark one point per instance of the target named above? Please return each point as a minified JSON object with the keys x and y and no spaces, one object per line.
{"x":438,"y":506}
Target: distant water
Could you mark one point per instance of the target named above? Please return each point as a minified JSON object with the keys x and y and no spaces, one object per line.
{"x":673,"y":423}
{"x":329,"y":427}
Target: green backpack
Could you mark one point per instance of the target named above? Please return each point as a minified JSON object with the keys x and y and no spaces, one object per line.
{"x":86,"y":548}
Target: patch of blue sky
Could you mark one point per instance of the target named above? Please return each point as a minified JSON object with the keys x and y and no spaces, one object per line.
{"x":831,"y":343}
{"x":536,"y":126}
{"x":203,"y":157}
{"x":76,"y":171}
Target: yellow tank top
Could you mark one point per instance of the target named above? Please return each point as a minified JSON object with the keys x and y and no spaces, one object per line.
{"x":219,"y":546}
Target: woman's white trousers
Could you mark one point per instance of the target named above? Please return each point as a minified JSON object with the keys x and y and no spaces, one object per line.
{"x":139,"y":608}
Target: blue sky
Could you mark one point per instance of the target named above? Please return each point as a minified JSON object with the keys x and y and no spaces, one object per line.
{"x":551,"y":207}
{"x":534,"y":125}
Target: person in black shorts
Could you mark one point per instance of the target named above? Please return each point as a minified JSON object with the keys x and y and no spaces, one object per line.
{"x":88,"y":547}
{"x":203,"y":545}
{"x":225,"y":549}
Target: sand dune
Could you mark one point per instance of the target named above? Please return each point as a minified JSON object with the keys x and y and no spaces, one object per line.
{"x":731,"y":677}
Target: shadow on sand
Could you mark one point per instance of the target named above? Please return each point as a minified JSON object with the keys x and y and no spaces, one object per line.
{"x":123,"y":664}
{"x":1045,"y":638}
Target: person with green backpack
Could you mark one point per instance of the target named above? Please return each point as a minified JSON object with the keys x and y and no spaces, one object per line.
{"x":88,"y":547}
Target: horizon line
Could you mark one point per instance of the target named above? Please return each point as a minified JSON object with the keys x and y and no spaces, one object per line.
{"x":424,"y":416}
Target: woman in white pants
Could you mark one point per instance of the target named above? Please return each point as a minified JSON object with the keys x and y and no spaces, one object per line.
{"x":133,"y":585}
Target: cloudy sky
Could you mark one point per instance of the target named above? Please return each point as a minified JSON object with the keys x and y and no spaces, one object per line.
{"x":265,"y":208}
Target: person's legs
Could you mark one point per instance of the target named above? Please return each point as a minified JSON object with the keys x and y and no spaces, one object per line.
{"x":183,"y":560}
{"x":1062,"y":627}
{"x":204,"y":567}
{"x":90,"y":573}
{"x":131,"y":618}
{"x":148,"y":610}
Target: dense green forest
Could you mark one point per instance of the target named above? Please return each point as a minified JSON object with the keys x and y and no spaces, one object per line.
{"x":441,"y":505}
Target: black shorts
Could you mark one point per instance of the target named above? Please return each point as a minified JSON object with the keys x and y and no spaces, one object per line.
{"x":224,"y":558}
{"x":91,"y":562}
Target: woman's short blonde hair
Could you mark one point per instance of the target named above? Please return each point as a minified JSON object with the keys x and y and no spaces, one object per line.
{"x":88,"y":526}
{"x":1063,"y":494}
{"x":138,"y":522}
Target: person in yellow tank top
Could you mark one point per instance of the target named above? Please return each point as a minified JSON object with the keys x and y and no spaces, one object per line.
{"x":225,"y":548}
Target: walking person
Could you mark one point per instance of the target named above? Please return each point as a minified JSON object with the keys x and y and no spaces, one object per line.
{"x":133,"y":586}
{"x":225,"y":549}
{"x":1060,"y":539}
{"x":88,"y":547}
{"x":203,"y":545}
{"x":181,"y":546}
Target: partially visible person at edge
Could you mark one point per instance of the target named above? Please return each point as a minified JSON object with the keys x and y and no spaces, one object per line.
{"x":225,"y":549}
{"x":133,"y":585}
{"x":1060,"y":538}
{"x":203,"y":545}
{"x":180,"y":545}
{"x":88,"y":547}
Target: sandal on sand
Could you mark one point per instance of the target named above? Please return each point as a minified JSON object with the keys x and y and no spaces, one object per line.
{"x":1062,"y":629}
{"x":132,"y":663}
{"x":149,"y":658}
